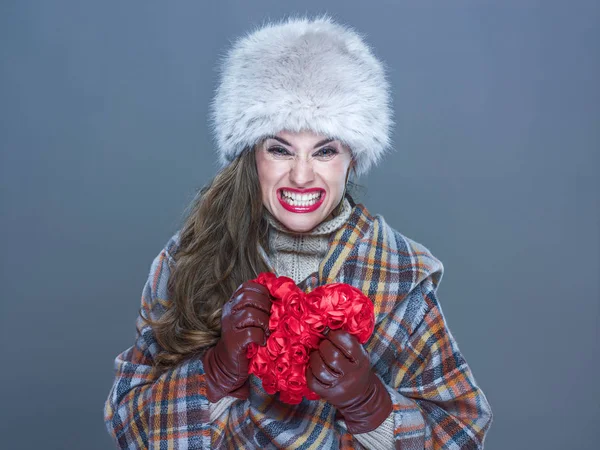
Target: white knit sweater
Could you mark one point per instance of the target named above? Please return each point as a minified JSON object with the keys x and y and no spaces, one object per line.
{"x":297,"y":255}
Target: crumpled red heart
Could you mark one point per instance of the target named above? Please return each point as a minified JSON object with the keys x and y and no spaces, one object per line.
{"x":297,"y":325}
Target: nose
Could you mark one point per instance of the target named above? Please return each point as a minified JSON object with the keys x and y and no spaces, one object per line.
{"x":301,"y":172}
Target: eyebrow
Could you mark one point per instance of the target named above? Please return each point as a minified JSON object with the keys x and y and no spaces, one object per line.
{"x":317,"y":145}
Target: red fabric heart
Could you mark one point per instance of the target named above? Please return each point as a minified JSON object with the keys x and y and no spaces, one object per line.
{"x":297,"y":324}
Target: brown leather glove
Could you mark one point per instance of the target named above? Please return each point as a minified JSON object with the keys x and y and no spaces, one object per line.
{"x":244,"y":319}
{"x":340,"y":372}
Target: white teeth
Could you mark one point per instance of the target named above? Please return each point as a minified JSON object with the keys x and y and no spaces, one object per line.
{"x":296,"y":199}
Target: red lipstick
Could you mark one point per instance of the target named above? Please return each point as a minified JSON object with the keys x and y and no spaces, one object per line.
{"x":297,"y":208}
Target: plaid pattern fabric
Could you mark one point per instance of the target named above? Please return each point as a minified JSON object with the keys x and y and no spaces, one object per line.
{"x":437,"y":403}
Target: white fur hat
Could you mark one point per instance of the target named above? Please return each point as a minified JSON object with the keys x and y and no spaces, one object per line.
{"x":303,"y":74}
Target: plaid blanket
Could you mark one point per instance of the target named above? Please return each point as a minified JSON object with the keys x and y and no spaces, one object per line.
{"x":437,"y":403}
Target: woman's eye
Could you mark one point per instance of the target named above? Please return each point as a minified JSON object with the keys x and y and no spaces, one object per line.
{"x":278,"y":151}
{"x":326,"y":152}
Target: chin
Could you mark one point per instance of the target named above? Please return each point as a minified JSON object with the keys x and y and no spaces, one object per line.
{"x":300,"y":226}
{"x":300,"y":222}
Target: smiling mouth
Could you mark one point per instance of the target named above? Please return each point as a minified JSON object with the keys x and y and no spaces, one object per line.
{"x":301,"y":200}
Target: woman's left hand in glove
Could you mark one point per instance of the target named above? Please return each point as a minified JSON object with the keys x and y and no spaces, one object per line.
{"x":340,"y":372}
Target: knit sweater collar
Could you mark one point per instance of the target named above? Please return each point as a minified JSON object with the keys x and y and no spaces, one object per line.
{"x":298,"y":255}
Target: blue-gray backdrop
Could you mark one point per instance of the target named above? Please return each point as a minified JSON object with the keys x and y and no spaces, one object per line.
{"x":104,"y":140}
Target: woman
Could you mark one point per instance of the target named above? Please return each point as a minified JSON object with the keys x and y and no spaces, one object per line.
{"x":302,"y":105}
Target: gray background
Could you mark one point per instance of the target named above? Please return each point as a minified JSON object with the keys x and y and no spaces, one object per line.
{"x":104,"y":141}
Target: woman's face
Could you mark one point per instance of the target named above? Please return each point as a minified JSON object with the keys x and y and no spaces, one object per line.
{"x":302,"y":177}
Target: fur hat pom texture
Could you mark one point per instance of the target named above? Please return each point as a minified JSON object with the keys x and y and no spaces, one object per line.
{"x":302,"y":74}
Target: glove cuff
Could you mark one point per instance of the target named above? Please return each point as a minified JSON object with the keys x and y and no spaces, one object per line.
{"x":219,"y":382}
{"x":370,"y":411}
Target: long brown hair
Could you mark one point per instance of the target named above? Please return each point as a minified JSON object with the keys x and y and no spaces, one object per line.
{"x":218,"y":251}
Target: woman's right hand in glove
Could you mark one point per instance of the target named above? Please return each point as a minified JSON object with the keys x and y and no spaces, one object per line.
{"x":244,"y":320}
